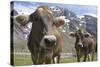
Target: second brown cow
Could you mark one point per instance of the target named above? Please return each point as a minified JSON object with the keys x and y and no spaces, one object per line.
{"x":85,"y":45}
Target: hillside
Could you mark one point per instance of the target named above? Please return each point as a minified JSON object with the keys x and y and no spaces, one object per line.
{"x":72,"y":22}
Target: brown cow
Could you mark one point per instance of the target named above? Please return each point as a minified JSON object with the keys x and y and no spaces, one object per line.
{"x":85,"y":45}
{"x":45,"y":40}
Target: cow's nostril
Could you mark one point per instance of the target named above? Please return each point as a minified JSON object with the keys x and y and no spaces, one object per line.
{"x":47,"y":40}
{"x":50,"y":42}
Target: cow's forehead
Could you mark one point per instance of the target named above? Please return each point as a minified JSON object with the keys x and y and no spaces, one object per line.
{"x":41,"y":10}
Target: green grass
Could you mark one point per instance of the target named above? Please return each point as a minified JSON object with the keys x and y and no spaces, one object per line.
{"x":26,"y":60}
{"x":68,"y":60}
{"x":23,"y":60}
{"x":20,"y":60}
{"x":20,"y":45}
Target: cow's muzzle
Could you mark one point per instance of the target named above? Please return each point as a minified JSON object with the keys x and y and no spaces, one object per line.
{"x":80,"y":45}
{"x":48,"y":41}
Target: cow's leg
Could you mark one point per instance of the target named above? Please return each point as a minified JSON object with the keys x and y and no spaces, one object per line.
{"x":58,"y":58}
{"x":78,"y":55}
{"x":93,"y":54}
{"x":78,"y":58}
{"x":48,"y":60}
{"x":41,"y":59}
{"x":89,"y":57}
{"x":33,"y":59}
{"x":54,"y":60}
{"x":85,"y":55}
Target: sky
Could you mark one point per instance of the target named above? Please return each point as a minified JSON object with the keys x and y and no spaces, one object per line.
{"x":77,"y":9}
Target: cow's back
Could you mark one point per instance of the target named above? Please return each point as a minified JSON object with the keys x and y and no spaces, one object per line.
{"x":89,"y":43}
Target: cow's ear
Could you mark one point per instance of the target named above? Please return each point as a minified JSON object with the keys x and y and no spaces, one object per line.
{"x":87,"y":35}
{"x":72,"y":34}
{"x":59,"y":21}
{"x":22,"y":19}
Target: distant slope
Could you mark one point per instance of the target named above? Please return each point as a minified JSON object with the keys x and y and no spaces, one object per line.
{"x":89,"y":25}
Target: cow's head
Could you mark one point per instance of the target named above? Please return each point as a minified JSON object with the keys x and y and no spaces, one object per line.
{"x":79,"y":35}
{"x":44,"y":23}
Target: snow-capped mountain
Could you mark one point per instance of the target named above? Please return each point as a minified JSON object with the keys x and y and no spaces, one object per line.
{"x":24,"y":7}
{"x":86,"y":22}
{"x":57,"y":11}
{"x":89,"y":21}
{"x":91,"y":24}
